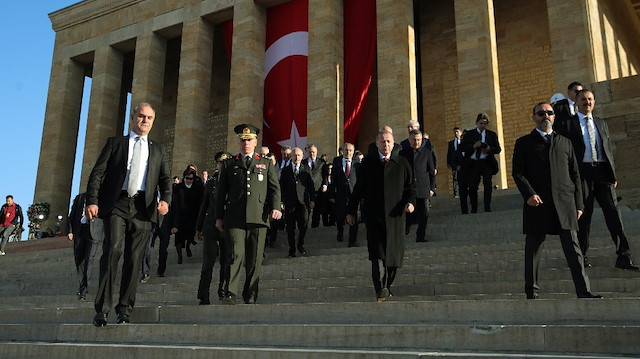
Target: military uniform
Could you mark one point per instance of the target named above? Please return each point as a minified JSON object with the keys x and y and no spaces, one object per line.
{"x":246,"y":195}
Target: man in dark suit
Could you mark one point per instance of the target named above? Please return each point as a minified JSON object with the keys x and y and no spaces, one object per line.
{"x":343,"y":179}
{"x":319,"y":173}
{"x":454,"y":159}
{"x":298,"y":196}
{"x":214,"y":241}
{"x":123,"y":191}
{"x":591,"y":141}
{"x":566,"y":108}
{"x":421,"y":161}
{"x":479,"y":146}
{"x":248,"y":196}
{"x":82,"y":232}
{"x":546,"y":172}
{"x":386,"y":184}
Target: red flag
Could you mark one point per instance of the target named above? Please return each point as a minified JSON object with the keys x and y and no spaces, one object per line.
{"x":359,"y":55}
{"x":285,"y":72}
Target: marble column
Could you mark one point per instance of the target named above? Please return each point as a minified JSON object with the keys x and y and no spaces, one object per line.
{"x":478,"y":76}
{"x":397,"y":92}
{"x":325,"y":100}
{"x":104,"y":116}
{"x":194,"y":95}
{"x":246,"y":93}
{"x":59,"y":138}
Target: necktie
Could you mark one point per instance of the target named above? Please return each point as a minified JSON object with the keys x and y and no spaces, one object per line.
{"x":592,"y":139}
{"x":296,"y":169}
{"x":547,"y":138}
{"x":313,"y":164}
{"x":134,"y":170}
{"x":247,"y":161}
{"x":347,"y":170}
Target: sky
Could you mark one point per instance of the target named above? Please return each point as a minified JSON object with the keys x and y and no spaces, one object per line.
{"x":25,"y":67}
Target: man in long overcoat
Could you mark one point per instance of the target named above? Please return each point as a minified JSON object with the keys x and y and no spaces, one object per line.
{"x":546,"y":172}
{"x":386,"y":183}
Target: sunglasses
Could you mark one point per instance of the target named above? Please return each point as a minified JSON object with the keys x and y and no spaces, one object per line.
{"x":542,"y":113}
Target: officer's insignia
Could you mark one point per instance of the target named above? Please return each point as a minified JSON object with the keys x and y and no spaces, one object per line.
{"x":246,"y":131}
{"x":260,"y":177}
{"x":223,"y":157}
{"x":261,"y":166}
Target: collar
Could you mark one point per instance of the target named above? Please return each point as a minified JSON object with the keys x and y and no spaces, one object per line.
{"x":382,"y":157}
{"x":133,"y":135}
{"x":543,"y":133}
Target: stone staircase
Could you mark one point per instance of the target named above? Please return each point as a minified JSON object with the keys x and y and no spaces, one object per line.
{"x":460,"y":295}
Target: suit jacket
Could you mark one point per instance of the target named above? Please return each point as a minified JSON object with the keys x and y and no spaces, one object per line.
{"x":423,"y":170}
{"x":206,"y":222}
{"x":318,"y":173}
{"x":297,"y":188}
{"x":341,"y":186}
{"x":550,"y":171}
{"x":108,"y":175}
{"x":247,"y":195}
{"x":563,"y":114}
{"x":491,"y":139}
{"x":572,"y":130}
{"x":386,"y":189}
{"x":454,"y":157}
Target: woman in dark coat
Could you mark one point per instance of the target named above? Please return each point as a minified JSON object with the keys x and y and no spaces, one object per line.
{"x":385,"y":182}
{"x":189,"y":196}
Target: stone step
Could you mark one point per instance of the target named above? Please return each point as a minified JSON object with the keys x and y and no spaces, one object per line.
{"x":558,"y":311}
{"x":569,"y":338}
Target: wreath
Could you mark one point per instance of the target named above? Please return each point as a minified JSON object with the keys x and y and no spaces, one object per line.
{"x":38,"y":212}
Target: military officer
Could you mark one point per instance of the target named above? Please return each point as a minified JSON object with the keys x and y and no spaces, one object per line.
{"x":248,"y":196}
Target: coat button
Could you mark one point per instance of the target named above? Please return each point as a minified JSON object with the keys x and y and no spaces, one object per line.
{"x":248,"y":193}
{"x":248,"y":185}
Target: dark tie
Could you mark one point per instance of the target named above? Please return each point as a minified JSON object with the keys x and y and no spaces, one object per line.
{"x":247,"y":161}
{"x":347,"y":170}
{"x":313,"y":164}
{"x":548,"y":137}
{"x":134,"y":170}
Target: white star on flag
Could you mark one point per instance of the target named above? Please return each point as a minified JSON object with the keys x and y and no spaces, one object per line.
{"x":294,"y":139}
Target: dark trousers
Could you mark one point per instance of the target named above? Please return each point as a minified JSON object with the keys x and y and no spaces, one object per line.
{"x":463,"y":189}
{"x":456,"y":188}
{"x":127,"y":231}
{"x":247,"y":245}
{"x":318,"y":210}
{"x":164,"y":234}
{"x":571,"y":249}
{"x":146,"y":257}
{"x":88,"y":249}
{"x":298,"y":215}
{"x":211,"y":246}
{"x":596,"y":187}
{"x":382,"y":275}
{"x":421,"y":216}
{"x":479,"y":169}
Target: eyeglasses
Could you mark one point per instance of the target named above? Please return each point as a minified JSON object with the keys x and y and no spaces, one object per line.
{"x":542,"y":113}
{"x":189,"y":178}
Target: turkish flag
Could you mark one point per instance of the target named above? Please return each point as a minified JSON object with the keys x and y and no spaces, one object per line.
{"x":285,"y":75}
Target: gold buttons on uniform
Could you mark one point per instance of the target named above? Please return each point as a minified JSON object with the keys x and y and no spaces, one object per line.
{"x":248,"y":193}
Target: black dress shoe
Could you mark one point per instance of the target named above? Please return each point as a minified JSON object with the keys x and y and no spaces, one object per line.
{"x":339,"y":238}
{"x":353,"y":244}
{"x":144,"y":279}
{"x":189,"y":254}
{"x":123,"y":319}
{"x":383,"y":294}
{"x":421,"y":240}
{"x":229,"y":300}
{"x":624,"y":262}
{"x":587,"y":263}
{"x":532,"y":296}
{"x":251,"y":300}
{"x":204,"y":301}
{"x":302,"y":251}
{"x":100,"y":319}
{"x":589,"y":296}
{"x":82,"y":296}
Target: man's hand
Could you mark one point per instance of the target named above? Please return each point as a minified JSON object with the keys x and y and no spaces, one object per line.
{"x":431,"y":193}
{"x":351,"y":219}
{"x":312,"y":204}
{"x":324,"y":188}
{"x":275,"y":214}
{"x":409,"y":208}
{"x":174,"y":230}
{"x":615,"y":184}
{"x":220,"y":225}
{"x":332,"y":200}
{"x":163,"y":207}
{"x":198,"y":236}
{"x":579,"y":214}
{"x":534,"y":201}
{"x":91,"y":211}
{"x":70,"y":236}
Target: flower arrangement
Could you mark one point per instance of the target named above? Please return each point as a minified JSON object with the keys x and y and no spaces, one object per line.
{"x":38,"y":212}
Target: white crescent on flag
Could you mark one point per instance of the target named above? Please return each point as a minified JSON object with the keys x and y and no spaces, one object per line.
{"x":295,"y":43}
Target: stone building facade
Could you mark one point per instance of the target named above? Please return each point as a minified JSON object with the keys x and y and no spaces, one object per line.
{"x":439,"y":61}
